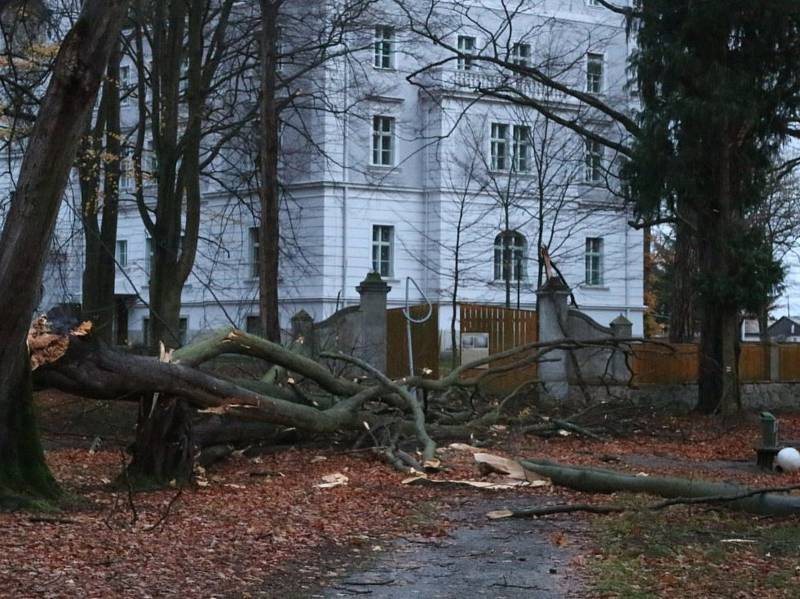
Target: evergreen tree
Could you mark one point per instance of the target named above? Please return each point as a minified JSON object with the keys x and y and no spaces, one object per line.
{"x":720,"y":89}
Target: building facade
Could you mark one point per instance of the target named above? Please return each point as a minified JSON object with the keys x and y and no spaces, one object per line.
{"x":409,"y":169}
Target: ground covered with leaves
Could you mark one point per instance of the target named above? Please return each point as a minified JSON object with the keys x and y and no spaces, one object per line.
{"x":269,"y":525}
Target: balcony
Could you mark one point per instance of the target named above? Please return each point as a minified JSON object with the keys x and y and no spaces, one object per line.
{"x":473,"y":80}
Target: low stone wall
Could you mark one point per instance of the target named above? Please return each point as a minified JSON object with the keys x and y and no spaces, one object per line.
{"x":358,"y":331}
{"x":682,"y":398}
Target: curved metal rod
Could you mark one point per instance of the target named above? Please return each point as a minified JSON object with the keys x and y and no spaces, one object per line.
{"x":407,"y":311}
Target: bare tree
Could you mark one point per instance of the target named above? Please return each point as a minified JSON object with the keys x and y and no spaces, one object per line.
{"x":49,"y":156}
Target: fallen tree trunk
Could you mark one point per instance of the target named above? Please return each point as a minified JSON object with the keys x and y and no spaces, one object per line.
{"x":93,"y":370}
{"x":595,"y":480}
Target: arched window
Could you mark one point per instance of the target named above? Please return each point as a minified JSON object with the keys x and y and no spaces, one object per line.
{"x":509,"y":256}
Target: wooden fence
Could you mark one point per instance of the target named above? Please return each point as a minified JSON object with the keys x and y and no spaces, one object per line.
{"x":507,"y":328}
{"x":657,"y":364}
{"x":789,"y":362}
{"x":424,"y":341}
{"x":652,"y":364}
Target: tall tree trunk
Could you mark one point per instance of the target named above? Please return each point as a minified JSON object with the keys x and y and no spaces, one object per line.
{"x":269,"y":230}
{"x":763,"y":323}
{"x":178,"y":40}
{"x":682,"y":314}
{"x":719,"y":382}
{"x":45,"y":168}
{"x":100,"y":266}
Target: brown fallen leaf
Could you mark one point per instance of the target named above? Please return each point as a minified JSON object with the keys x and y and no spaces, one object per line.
{"x":329,"y":481}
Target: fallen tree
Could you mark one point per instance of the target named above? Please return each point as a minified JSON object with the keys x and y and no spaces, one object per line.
{"x":309,"y":397}
{"x":678,"y":491}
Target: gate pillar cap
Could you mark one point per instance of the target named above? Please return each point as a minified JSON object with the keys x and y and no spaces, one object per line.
{"x":373,"y":282}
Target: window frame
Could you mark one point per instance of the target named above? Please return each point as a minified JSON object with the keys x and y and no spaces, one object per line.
{"x":521,"y":140}
{"x":127,"y":180}
{"x":499,"y":161}
{"x":379,"y":139}
{"x":383,"y":48}
{"x":518,"y":271}
{"x":254,"y":248}
{"x":595,"y":82}
{"x":121,"y":253}
{"x":377,"y":245}
{"x":149,"y":256}
{"x":594,"y":275}
{"x":465,"y":56}
{"x":594,"y":158}
{"x":125,"y":84}
{"x":519,"y":59}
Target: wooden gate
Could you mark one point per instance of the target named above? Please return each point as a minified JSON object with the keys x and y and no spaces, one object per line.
{"x":506,"y":328}
{"x":424,"y":342}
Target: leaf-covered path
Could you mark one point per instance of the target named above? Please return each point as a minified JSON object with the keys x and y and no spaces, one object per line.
{"x":502,"y":559}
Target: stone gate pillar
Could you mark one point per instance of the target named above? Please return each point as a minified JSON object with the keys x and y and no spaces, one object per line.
{"x":552,"y":314}
{"x":622,"y":329}
{"x":372,"y":347}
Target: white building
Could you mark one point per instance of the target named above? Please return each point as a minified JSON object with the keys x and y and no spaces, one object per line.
{"x":385,"y":184}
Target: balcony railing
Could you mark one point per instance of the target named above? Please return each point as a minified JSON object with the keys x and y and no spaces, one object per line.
{"x":475,"y":80}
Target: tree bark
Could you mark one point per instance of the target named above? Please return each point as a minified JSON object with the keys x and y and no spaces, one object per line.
{"x":682,"y":297}
{"x":178,"y":39}
{"x":718,"y":386}
{"x":269,"y":229}
{"x":100,"y":238}
{"x":45,"y":168}
{"x":594,"y":480}
{"x":163,"y":452}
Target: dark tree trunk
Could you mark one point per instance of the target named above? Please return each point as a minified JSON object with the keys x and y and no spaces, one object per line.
{"x":763,"y":323}
{"x":100,"y":238}
{"x":682,"y":297}
{"x":164,"y":450}
{"x":719,"y":382}
{"x":177,"y":40}
{"x":50,"y":154}
{"x":269,"y":231}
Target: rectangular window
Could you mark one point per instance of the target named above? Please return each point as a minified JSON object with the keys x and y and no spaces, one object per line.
{"x":521,"y":54}
{"x":594,"y":260}
{"x":183,"y":84}
{"x":255,"y":245}
{"x":122,"y":253}
{"x":382,"y":141}
{"x":382,"y":249}
{"x":594,"y":161}
{"x":499,"y":149}
{"x":252,"y":325}
{"x":466,"y":49}
{"x":149,"y":255}
{"x":126,"y":178}
{"x":594,"y":73}
{"x":183,"y":330}
{"x":150,"y":160}
{"x":522,"y":148}
{"x":279,"y":49}
{"x":383,"y":48}
{"x":125,"y":84}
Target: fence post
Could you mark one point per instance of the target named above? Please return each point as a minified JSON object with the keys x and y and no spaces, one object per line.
{"x":373,"y":291}
{"x":552,"y":308}
{"x":622,"y":328}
